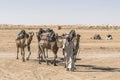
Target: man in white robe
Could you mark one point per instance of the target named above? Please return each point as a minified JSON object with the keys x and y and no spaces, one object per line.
{"x":68,"y":48}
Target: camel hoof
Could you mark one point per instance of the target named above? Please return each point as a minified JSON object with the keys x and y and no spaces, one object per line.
{"x":27,"y":59}
{"x":72,"y":69}
{"x":55,"y":64}
{"x":65,"y":66}
{"x":23,"y":60}
{"x":52,"y":62}
{"x":17,"y":58}
{"x":47,"y":63}
{"x":67,"y":69}
{"x":39,"y":62}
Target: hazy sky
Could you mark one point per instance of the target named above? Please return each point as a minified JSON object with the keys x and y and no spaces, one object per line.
{"x":59,"y":11}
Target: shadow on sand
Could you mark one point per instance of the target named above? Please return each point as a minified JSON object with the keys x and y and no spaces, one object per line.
{"x":83,"y":68}
{"x":93,"y":68}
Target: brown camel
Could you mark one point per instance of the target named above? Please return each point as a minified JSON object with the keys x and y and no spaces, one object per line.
{"x":38,"y":35}
{"x":22,"y":43}
{"x":45,"y":43}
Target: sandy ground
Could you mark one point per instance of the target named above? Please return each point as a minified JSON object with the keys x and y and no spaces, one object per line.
{"x":99,"y":59}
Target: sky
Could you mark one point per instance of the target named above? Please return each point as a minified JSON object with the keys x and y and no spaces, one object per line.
{"x":59,"y":12}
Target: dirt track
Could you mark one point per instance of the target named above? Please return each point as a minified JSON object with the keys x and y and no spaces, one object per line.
{"x":99,"y":59}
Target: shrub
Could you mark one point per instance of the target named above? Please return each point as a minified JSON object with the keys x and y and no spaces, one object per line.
{"x":59,"y":27}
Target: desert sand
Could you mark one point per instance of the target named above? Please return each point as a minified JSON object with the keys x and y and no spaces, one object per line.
{"x":97,"y":59}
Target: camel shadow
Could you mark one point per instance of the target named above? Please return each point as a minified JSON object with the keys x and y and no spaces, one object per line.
{"x":84,"y":68}
{"x":60,"y":61}
{"x":48,"y":60}
{"x":93,"y":68}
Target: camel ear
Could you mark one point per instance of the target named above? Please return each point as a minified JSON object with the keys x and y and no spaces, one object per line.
{"x":31,"y":33}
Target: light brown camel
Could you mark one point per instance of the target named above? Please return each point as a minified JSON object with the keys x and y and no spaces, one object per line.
{"x":38,"y":35}
{"x":45,"y":43}
{"x":76,"y":41}
{"x":22,"y":43}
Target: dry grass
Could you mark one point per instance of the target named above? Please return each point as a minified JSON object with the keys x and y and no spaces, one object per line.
{"x":79,"y":26}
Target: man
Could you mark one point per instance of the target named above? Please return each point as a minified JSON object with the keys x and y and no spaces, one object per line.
{"x":72,"y":34}
{"x":68,"y":48}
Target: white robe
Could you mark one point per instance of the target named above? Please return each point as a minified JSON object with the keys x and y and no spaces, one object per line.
{"x":68,"y":49}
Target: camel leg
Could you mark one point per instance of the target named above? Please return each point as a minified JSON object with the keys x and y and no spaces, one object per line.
{"x":46,"y":53}
{"x":45,"y":56}
{"x":54,"y":61}
{"x":17,"y":52}
{"x":38,"y":50}
{"x":29,"y":53}
{"x":39,"y":55}
{"x":43,"y":53}
{"x":23,"y":54}
{"x":39,"y":59}
{"x":55,"y":57}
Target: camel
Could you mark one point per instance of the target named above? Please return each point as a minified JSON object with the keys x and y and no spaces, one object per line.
{"x":55,"y":45}
{"x":76,"y":41}
{"x":22,"y":43}
{"x":109,"y":37}
{"x":38,"y":35}
{"x":96,"y":37}
{"x":45,"y":43}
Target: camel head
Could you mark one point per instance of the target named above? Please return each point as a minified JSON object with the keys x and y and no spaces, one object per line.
{"x":31,"y":34}
{"x":78,"y":35}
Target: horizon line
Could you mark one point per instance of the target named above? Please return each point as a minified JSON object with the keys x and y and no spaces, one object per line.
{"x":68,"y":24}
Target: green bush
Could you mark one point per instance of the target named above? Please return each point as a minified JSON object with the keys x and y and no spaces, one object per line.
{"x":59,"y":27}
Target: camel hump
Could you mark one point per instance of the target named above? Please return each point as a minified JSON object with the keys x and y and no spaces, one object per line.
{"x":41,"y":30}
{"x":21,"y":35}
{"x":44,"y":36}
